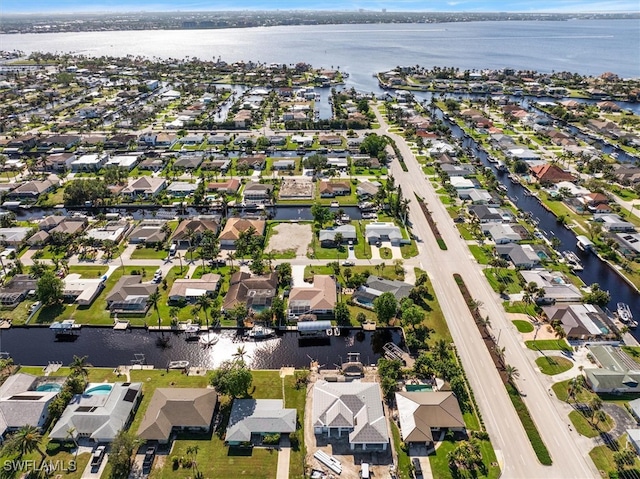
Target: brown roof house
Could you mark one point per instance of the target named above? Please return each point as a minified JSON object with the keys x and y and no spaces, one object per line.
{"x":191,"y":289}
{"x":197,"y":225}
{"x":229,"y":187}
{"x":254,"y":291}
{"x":319,"y":299}
{"x":330,"y":189}
{"x":33,"y":189}
{"x":550,"y":173}
{"x":235,"y":226}
{"x":145,"y":187}
{"x":580,"y":321}
{"x":177,"y":409}
{"x":130,"y":295}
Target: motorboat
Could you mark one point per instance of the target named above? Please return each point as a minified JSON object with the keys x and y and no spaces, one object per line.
{"x":260,"y":331}
{"x":192,"y":333}
{"x":624,"y":313}
{"x":334,"y":204}
{"x":178,"y":364}
{"x":572,"y":260}
{"x":209,"y":339}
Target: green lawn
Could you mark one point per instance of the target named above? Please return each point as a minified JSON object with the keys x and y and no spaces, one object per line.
{"x":440,"y":463}
{"x":404,"y":462}
{"x":149,"y":253}
{"x":584,"y":427}
{"x":523,"y":326}
{"x":633,"y":352}
{"x":508,"y":277}
{"x":88,"y":271}
{"x":553,"y":365}
{"x":482,"y":254}
{"x":520,"y":307}
{"x":549,"y":345}
{"x":602,"y":457}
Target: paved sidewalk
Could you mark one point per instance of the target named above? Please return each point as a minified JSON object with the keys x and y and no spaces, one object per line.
{"x":284,"y":455}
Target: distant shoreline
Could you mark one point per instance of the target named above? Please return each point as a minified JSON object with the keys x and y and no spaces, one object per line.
{"x":16,"y":23}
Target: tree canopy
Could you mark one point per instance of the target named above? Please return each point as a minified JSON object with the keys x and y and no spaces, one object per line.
{"x":49,"y":288}
{"x":232,"y":378}
{"x":77,"y":192}
{"x":385,"y":307}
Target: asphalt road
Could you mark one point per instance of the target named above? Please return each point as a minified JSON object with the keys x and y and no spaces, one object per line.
{"x":504,"y":427}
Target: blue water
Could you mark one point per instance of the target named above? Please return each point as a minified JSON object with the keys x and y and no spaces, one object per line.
{"x":49,"y":387}
{"x":99,"y":389}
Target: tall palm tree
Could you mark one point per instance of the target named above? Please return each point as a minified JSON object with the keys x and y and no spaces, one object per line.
{"x":240,"y":353}
{"x":204,"y":302}
{"x":512,"y":373}
{"x":153,"y":300}
{"x":230,"y":257}
{"x":79,"y":366}
{"x":27,"y":439}
{"x":500,"y":353}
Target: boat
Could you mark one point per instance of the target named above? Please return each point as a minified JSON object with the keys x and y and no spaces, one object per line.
{"x":260,"y":331}
{"x":572,"y":260}
{"x":584,"y":243}
{"x":502,"y":166}
{"x":66,"y":330}
{"x":513,"y":178}
{"x":209,"y":339}
{"x":178,"y":365}
{"x":191,"y":333}
{"x":624,"y":313}
{"x":334,"y":204}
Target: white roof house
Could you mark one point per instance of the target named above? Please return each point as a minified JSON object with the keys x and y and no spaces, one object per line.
{"x":503,"y":233}
{"x":90,"y":162}
{"x":20,"y":405}
{"x":382,"y":231}
{"x":84,"y":290}
{"x":97,"y":415}
{"x":354,"y":408}
{"x":461,"y":183}
{"x":127,"y":162}
{"x":259,"y":416}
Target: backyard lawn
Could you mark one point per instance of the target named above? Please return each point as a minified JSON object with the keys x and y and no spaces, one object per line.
{"x":149,"y":253}
{"x":586,"y":428}
{"x":549,"y":345}
{"x":553,"y":365}
{"x":440,"y":463}
{"x":523,"y":326}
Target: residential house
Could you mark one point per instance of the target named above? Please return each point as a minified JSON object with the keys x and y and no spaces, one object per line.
{"x":367,"y":189}
{"x":256,"y":292}
{"x":464,"y":169}
{"x":585,"y":322}
{"x":617,"y":373}
{"x":256,"y":418}
{"x":424,"y":414}
{"x":177,"y":409}
{"x":191,"y":289}
{"x":221,"y":165}
{"x":124,"y":162}
{"x":218,"y":139}
{"x":284,"y":164}
{"x":229,"y":187}
{"x":70,"y":226}
{"x":326,"y":139}
{"x":144,"y":187}
{"x":61,"y":141}
{"x":111,"y":231}
{"x":614,"y":223}
{"x":633,"y":437}
{"x":375,"y":286}
{"x":354,"y":408}
{"x":196,"y":227}
{"x":193,"y":139}
{"x":234,"y":226}
{"x":330,"y":189}
{"x":15,"y":235}
{"x":255,"y":162}
{"x":556,"y":287}
{"x":38,"y":239}
{"x":461,"y":183}
{"x":149,"y":231}
{"x":33,"y":189}
{"x":190,"y":161}
{"x":502,"y":233}
{"x":480,"y":197}
{"x":257,"y":193}
{"x":377,"y":231}
{"x":550,"y":173}
{"x":522,"y":256}
{"x":130,"y":295}
{"x":338,"y":162}
{"x":91,"y":162}
{"x":151,"y":164}
{"x":17,"y":289}
{"x":58,"y":162}
{"x":319,"y":299}
{"x":242,"y":119}
{"x":96,"y":415}
{"x":181,"y":189}
{"x":21,"y":404}
{"x":327,"y":237}
{"x":628,"y":244}
{"x":82,"y":291}
{"x":486,"y":214}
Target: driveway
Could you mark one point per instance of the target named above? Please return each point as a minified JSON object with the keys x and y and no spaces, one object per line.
{"x":622,"y":418}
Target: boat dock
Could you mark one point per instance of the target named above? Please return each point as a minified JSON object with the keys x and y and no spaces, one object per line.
{"x":121,"y":325}
{"x":393,"y":351}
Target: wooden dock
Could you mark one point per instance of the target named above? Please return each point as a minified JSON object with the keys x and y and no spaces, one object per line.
{"x":121,"y":325}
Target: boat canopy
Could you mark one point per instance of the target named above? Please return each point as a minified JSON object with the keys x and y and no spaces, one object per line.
{"x":307,"y":326}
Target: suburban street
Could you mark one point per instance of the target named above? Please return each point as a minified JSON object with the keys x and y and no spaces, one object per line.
{"x":507,"y":434}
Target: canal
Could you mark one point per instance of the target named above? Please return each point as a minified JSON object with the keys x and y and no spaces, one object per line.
{"x":108,"y":348}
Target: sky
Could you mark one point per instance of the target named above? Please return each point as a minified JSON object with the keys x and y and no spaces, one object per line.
{"x":557,"y":6}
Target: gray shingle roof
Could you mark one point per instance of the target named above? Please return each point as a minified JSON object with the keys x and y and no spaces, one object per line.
{"x":254,"y":416}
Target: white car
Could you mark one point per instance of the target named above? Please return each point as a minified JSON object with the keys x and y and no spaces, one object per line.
{"x":348,"y":263}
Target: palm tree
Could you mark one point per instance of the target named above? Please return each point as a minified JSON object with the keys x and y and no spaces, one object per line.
{"x":204,"y":302}
{"x":574,"y":388}
{"x":72,"y":434}
{"x":240,"y":353}
{"x":153,"y":300}
{"x":27,"y":439}
{"x":560,"y":333}
{"x":500,"y":353}
{"x":179,"y":256}
{"x":441,"y":350}
{"x":230,"y":257}
{"x":79,"y":366}
{"x":512,"y":373}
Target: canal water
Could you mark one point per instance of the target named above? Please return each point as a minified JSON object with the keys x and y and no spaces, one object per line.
{"x":37,"y":346}
{"x":595,"y":270}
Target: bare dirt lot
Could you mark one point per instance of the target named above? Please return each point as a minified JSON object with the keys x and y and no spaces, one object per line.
{"x":290,"y":236}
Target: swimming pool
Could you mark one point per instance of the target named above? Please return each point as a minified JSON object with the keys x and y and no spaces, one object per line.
{"x":418,"y":388}
{"x":49,"y":387}
{"x":94,"y":389}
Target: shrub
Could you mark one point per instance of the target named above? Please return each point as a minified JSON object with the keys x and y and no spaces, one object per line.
{"x":271,"y":438}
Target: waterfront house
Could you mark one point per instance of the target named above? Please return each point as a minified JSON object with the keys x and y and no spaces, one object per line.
{"x":21,"y":404}
{"x":556,"y":287}
{"x":330,"y":189}
{"x":318,"y":299}
{"x":195,"y":228}
{"x":522,"y":256}
{"x":151,"y":164}
{"x":144,"y":187}
{"x":485,"y":214}
{"x":181,"y":189}
{"x":130,"y":295}
{"x":70,"y":226}
{"x":124,"y":162}
{"x":252,"y":419}
{"x":38,"y":239}
{"x":584,"y":322}
{"x":17,"y":289}
{"x":149,"y":232}
{"x":188,"y":161}
{"x":463,"y":170}
{"x":15,"y":235}
{"x":616,"y":373}
{"x":90,"y":162}
{"x":257,"y":193}
{"x":367,"y":189}
{"x":193,"y":139}
{"x":502,"y":233}
{"x":614,"y":223}
{"x":229,"y":187}
{"x":284,"y":164}
{"x":549,"y":173}
{"x":99,"y":413}
{"x":191,"y":289}
{"x":111,"y":231}
{"x":376,"y":231}
{"x":33,"y":189}
{"x":423,"y":414}
{"x":82,"y":291}
{"x":366,"y":294}
{"x":57,"y":162}
{"x":628,"y":244}
{"x":220,"y":165}
{"x":354,"y":408}
{"x":255,"y":162}
{"x":235,"y":226}
{"x":327,"y":237}
{"x":256,"y":292}
{"x":173,"y":410}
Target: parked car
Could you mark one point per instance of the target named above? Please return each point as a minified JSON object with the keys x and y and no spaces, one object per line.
{"x":348,"y":263}
{"x":149,"y":455}
{"x":417,"y":468}
{"x":97,"y":456}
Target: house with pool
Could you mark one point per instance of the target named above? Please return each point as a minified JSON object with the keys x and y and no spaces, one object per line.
{"x":99,"y":413}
